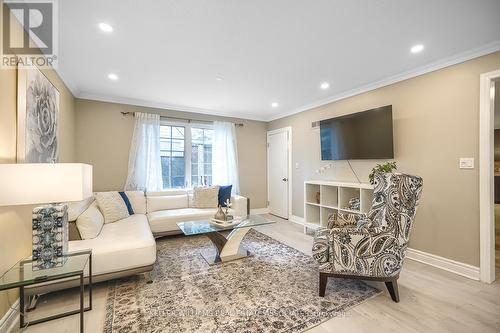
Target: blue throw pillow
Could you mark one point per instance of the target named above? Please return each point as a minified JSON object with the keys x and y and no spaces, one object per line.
{"x":224,"y":194}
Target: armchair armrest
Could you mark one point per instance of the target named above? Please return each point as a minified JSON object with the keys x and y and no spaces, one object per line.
{"x":240,"y":205}
{"x":321,"y":246}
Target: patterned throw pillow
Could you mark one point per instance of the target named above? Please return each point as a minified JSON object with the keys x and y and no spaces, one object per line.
{"x":206,"y":197}
{"x":112,"y":206}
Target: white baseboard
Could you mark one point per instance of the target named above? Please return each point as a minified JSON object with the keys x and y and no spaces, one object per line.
{"x":258,"y":211}
{"x":10,"y":319}
{"x":460,"y":268}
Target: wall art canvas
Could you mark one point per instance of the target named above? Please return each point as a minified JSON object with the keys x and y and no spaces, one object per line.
{"x":38,"y":112}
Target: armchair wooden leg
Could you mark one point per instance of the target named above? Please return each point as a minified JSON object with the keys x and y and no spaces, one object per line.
{"x":392,"y":287}
{"x":323,"y":279}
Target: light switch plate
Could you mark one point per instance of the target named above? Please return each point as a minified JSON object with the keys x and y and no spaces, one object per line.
{"x":466,"y":163}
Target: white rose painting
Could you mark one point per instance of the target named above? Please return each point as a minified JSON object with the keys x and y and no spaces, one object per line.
{"x":41,"y":121}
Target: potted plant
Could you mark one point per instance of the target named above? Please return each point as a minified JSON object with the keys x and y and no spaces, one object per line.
{"x":381,"y":168}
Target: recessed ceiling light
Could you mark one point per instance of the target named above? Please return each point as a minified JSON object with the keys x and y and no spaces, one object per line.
{"x":218,"y":78}
{"x":112,"y":76}
{"x":105,"y":27}
{"x":274,"y":104}
{"x":417,"y":48}
{"x":325,"y":85}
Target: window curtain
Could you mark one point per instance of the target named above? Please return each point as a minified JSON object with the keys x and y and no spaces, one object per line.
{"x":144,"y":162}
{"x":225,"y":156}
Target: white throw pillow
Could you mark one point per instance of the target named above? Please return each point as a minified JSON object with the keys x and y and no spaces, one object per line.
{"x":137,"y":200}
{"x":206,"y":197}
{"x":90,"y":222}
{"x":112,"y":206}
{"x":76,"y":208}
{"x":156,"y":203}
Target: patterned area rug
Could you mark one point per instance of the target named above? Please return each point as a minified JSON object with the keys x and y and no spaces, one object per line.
{"x":274,"y":290}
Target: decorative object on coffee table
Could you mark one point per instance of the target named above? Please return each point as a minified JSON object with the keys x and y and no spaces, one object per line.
{"x":220,"y":215}
{"x":228,"y":205}
{"x":24,"y":184}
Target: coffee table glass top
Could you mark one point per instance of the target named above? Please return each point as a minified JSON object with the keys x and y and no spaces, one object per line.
{"x":206,"y":226}
{"x":22,"y":273}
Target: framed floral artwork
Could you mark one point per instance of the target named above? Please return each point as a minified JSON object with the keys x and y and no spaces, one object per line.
{"x":37,"y":118}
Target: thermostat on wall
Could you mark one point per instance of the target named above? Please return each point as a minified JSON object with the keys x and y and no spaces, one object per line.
{"x":466,"y":163}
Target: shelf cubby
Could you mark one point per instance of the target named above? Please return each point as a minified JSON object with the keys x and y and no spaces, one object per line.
{"x":313,"y":214}
{"x":346,"y":194}
{"x":325,"y":214}
{"x":310,"y":193}
{"x":366,"y":200}
{"x":329,"y":196}
{"x":334,"y":198}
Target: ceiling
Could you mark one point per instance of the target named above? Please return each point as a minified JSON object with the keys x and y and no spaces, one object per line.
{"x":169,"y":53}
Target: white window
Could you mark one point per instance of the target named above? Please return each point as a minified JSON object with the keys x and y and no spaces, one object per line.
{"x":186,"y":154}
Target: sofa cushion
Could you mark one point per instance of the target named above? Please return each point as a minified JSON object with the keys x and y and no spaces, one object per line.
{"x":156,"y":203}
{"x":111,"y":206}
{"x":127,"y":203}
{"x":76,"y":208}
{"x":122,"y":245}
{"x":138,"y":201}
{"x":90,"y":222}
{"x":225,"y":195}
{"x":166,"y":220}
{"x":206,"y":197}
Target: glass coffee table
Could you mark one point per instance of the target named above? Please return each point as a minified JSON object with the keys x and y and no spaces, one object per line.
{"x":227,"y":248}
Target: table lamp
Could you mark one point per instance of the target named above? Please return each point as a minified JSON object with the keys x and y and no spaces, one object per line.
{"x":52,"y":184}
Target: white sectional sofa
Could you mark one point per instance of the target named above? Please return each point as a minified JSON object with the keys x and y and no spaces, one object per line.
{"x":128,"y":246}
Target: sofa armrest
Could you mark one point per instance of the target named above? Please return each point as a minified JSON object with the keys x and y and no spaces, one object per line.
{"x":240,"y":205}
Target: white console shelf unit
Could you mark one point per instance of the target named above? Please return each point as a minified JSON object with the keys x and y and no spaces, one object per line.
{"x":333,"y":198}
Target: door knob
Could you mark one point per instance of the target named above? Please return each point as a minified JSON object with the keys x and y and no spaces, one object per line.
{"x":284,"y":179}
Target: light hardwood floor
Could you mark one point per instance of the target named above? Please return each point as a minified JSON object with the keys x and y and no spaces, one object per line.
{"x":432,"y":300}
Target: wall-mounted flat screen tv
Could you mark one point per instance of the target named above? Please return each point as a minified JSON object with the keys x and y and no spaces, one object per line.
{"x":357,"y":136}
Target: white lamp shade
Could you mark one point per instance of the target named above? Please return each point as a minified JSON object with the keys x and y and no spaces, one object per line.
{"x":38,"y":183}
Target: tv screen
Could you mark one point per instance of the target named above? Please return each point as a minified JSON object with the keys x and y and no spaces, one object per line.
{"x":362,"y":135}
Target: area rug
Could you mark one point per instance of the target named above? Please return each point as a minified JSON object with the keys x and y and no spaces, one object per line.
{"x":274,"y":290}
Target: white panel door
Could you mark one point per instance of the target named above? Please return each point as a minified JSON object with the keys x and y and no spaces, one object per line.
{"x":278,"y":164}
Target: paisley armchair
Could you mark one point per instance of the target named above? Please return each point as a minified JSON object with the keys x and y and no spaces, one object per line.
{"x":371,"y":247}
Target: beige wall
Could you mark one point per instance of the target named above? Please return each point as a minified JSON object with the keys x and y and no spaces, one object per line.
{"x":435,"y":122}
{"x":103,"y":137}
{"x":15,"y":222}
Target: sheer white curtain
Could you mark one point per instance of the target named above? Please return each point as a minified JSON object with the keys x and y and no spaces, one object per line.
{"x":225,"y":156}
{"x":144,"y":162}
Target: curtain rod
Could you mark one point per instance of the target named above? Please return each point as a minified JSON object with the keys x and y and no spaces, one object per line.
{"x":178,"y":118}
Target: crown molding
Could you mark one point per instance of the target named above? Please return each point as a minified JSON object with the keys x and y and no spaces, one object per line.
{"x":165,"y":106}
{"x":437,"y":65}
